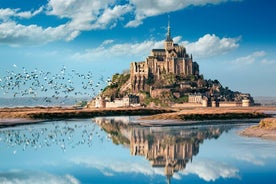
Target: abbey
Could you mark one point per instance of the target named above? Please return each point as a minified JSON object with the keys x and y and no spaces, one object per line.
{"x":172,"y":59}
{"x":168,"y":77}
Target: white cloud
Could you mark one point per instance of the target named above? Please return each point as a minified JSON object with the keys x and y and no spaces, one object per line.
{"x":81,"y":16}
{"x":144,"y":9}
{"x":87,"y":14}
{"x":106,"y":49}
{"x":250,"y":59}
{"x":211,"y":45}
{"x":268,"y":62}
{"x":134,"y":23}
{"x":17,"y":34}
{"x":140,"y":49}
{"x":111,"y":15}
{"x":206,"y":46}
{"x":21,"y":177}
{"x":177,"y":39}
{"x":107,"y":42}
{"x":29,"y":14}
{"x":7,"y":13}
{"x":211,"y":170}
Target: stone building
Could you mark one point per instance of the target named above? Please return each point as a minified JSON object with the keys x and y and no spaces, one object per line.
{"x":172,"y":59}
{"x":128,"y":101}
{"x":195,"y":98}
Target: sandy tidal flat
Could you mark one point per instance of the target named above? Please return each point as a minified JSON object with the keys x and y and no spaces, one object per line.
{"x":265,"y":129}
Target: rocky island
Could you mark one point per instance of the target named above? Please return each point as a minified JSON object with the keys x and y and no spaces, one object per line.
{"x":169,"y":77}
{"x":167,"y":83}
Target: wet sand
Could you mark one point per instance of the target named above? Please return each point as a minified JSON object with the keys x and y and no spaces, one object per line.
{"x":14,"y":116}
{"x":215,"y":113}
{"x":265,"y":129}
{"x":27,"y":115}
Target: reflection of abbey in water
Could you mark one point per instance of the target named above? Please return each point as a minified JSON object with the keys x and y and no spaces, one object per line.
{"x":169,"y":148}
{"x":164,"y":150}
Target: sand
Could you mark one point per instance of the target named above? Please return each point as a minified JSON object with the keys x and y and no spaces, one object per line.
{"x":215,"y":113}
{"x":14,"y":116}
{"x":265,"y":129}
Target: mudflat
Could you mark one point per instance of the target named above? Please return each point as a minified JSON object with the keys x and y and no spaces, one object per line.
{"x":161,"y":113}
{"x":13,"y":116}
{"x":24,"y":115}
{"x":265,"y":129}
{"x":215,"y":113}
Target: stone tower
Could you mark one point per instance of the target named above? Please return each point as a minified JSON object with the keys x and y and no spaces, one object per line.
{"x":172,"y":59}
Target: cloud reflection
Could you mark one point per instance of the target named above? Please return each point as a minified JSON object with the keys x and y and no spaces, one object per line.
{"x":248,"y":157}
{"x":210,"y":170}
{"x":21,"y":177}
{"x":168,"y":148}
{"x":109,"y":167}
{"x":207,"y":170}
{"x":258,"y":152}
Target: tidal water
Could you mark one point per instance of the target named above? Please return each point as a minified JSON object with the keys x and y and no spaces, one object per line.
{"x":39,"y":101}
{"x":111,"y":150}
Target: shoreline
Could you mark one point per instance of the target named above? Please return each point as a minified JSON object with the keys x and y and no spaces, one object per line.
{"x":167,"y":123}
{"x":266,"y":129}
{"x":28,"y":115}
{"x":215,"y":114}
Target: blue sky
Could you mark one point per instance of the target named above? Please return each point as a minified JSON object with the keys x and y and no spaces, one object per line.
{"x":232,"y":40}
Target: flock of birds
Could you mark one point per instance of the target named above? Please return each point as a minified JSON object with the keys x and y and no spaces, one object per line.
{"x":21,"y":82}
{"x":65,"y":135}
{"x":64,"y":84}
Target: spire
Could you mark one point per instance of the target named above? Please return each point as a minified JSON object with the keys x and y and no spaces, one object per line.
{"x":168,"y":37}
{"x":168,"y":179}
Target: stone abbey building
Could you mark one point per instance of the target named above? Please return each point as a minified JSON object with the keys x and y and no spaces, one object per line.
{"x":168,"y":77}
{"x":172,"y":59}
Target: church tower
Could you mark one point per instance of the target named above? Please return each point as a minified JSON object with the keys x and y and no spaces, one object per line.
{"x":169,"y":41}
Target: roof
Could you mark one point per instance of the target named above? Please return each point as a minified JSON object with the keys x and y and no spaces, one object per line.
{"x":158,"y":50}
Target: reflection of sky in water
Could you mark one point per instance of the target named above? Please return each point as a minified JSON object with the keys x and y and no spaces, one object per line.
{"x":80,"y":152}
